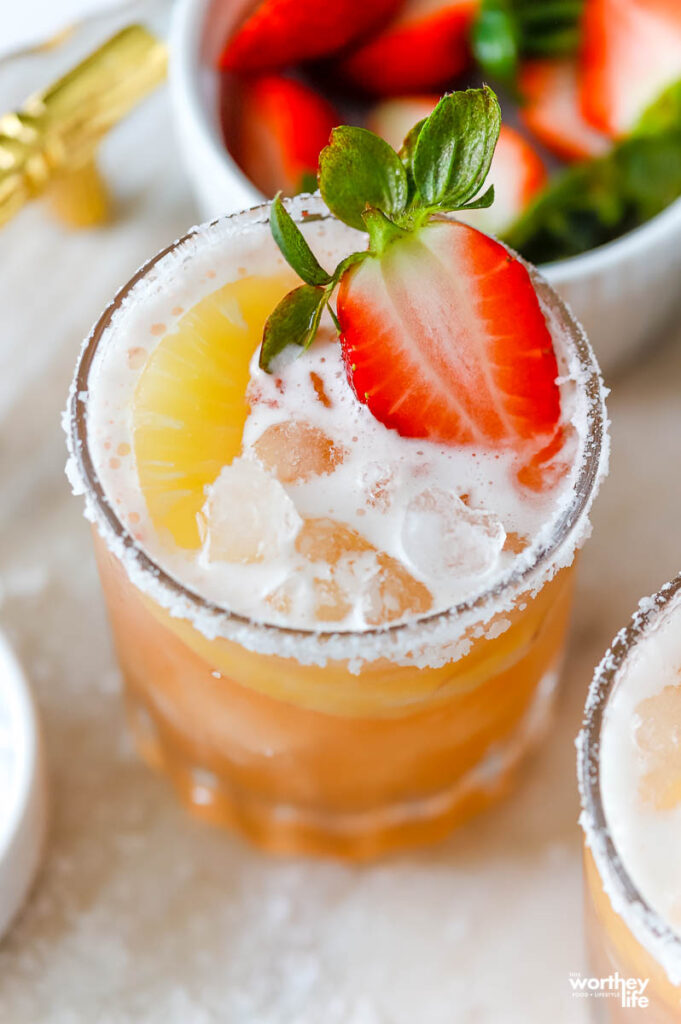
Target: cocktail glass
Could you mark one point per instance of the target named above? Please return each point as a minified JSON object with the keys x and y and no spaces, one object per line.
{"x":626,"y":939}
{"x":341,"y":743}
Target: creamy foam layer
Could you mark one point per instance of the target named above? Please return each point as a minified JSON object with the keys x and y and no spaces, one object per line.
{"x":218,"y":254}
{"x":640,"y":768}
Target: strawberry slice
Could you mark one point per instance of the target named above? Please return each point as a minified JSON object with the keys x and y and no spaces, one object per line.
{"x":517,"y":171}
{"x":425,"y":46}
{"x":552,"y":110}
{"x":443,"y":337}
{"x":281,"y":32}
{"x":441,"y":330}
{"x":282,"y":125}
{"x":631,"y":53}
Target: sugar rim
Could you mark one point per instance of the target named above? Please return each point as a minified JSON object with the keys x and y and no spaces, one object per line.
{"x":214,"y":619}
{"x":648,"y":927}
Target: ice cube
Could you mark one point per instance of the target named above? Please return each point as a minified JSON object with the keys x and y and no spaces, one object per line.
{"x":393,"y":593}
{"x":327,"y":540}
{"x":377,"y":481}
{"x":442,"y":536}
{"x":248,"y":516}
{"x":281,"y":600}
{"x":356,"y":573}
{"x":296,"y":451}
{"x":658,"y":737}
{"x":332,"y":602}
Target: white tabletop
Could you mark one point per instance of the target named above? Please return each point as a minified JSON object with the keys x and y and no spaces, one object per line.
{"x":140,"y":913}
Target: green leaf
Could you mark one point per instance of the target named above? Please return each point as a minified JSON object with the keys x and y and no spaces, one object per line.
{"x":408,"y":147}
{"x":406,"y":155}
{"x":294,"y":247}
{"x":482,"y":202}
{"x":597,"y":201}
{"x":495,"y":41}
{"x":454,"y":148}
{"x":662,"y":115}
{"x":505,"y":31}
{"x":358,"y":169}
{"x":294,"y":322}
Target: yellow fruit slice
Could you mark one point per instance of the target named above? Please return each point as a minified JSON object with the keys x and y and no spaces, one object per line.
{"x":190,"y":406}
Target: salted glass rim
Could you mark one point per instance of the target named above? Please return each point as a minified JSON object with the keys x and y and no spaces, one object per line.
{"x":312,"y":208}
{"x":610,"y":865}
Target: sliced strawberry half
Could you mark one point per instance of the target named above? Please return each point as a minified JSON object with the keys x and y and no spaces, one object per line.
{"x":426,"y":45}
{"x":443,"y":337}
{"x":517,"y":170}
{"x":281,"y":32}
{"x":631,"y":53}
{"x":552,"y":111}
{"x":281,"y":127}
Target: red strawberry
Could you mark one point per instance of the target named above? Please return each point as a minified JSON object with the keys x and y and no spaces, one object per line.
{"x":441,"y":329}
{"x":425,"y":46}
{"x":552,"y":111}
{"x":443,"y":337}
{"x":282,"y":126}
{"x":517,"y":170}
{"x":281,"y":32}
{"x":631,"y":53}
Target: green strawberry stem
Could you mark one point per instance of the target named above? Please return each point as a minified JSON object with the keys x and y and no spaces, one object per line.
{"x":381,"y":231}
{"x":441,"y":167}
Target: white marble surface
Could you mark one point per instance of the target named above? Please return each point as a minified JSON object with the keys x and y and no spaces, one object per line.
{"x":141,"y":914}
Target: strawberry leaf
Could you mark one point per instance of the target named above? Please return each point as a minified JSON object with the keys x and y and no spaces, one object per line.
{"x":294,"y":247}
{"x":358,"y":169}
{"x":454,"y":148}
{"x":406,"y":155}
{"x":294,"y":322}
{"x":482,"y":202}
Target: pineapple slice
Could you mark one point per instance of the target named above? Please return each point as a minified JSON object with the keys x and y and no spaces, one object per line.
{"x":190,"y":406}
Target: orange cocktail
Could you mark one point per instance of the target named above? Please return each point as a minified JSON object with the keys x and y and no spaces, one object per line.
{"x":304,"y":737}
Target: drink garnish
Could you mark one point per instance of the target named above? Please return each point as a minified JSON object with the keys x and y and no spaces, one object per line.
{"x":441,"y":330}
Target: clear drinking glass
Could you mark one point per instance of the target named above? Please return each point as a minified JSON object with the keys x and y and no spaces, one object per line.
{"x":624,"y":934}
{"x":304,"y":740}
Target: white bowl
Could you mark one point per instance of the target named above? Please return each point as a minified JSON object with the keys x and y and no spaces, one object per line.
{"x":623,"y":292}
{"x":23,"y":797}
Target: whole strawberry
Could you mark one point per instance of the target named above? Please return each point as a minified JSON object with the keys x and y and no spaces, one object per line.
{"x":440,"y":326}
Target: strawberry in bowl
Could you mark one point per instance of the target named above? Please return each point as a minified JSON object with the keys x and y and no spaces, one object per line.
{"x":587,"y":192}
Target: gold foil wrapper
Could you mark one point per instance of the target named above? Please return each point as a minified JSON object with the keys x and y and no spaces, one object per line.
{"x":49,"y":145}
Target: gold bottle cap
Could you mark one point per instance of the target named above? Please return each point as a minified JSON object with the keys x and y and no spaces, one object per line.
{"x":55,"y":134}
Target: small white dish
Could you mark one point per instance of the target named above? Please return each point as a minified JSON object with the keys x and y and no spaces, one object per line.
{"x":624,"y":292}
{"x":23,"y":792}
